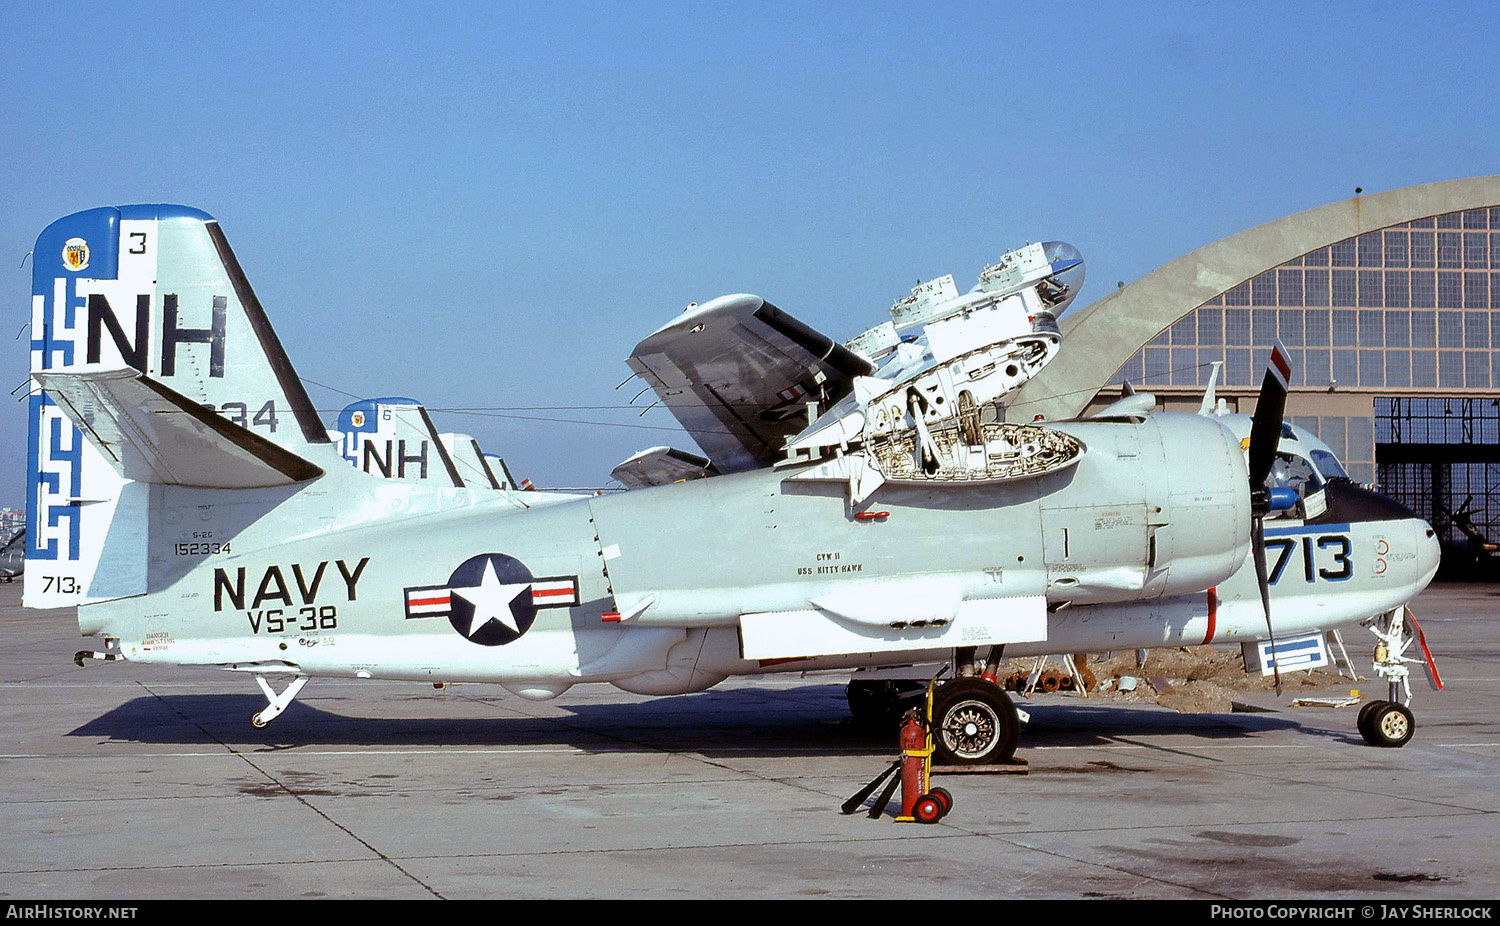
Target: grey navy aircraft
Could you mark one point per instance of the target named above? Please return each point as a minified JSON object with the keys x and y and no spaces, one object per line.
{"x":860,"y":505}
{"x":13,"y":556}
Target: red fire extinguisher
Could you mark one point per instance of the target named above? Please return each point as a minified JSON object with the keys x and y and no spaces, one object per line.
{"x":914,"y":755}
{"x":918,"y":804}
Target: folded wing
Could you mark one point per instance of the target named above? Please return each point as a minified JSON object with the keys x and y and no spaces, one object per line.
{"x":738,"y":374}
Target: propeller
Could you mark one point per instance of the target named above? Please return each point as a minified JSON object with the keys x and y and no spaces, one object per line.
{"x":1265,"y":436}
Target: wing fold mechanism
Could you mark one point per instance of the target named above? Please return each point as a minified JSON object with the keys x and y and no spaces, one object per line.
{"x":917,"y":397}
{"x":738,"y":373}
{"x":151,"y":433}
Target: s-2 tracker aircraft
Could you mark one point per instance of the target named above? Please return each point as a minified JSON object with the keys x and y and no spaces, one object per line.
{"x":860,"y":505}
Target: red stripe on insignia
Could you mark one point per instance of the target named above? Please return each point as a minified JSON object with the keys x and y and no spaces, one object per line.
{"x":419,"y":602}
{"x":552,"y":592}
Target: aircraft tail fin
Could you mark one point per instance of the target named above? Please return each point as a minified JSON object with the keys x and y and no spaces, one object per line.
{"x":394,"y":438}
{"x":157,"y":288}
{"x":137,"y":310}
{"x":1206,"y":407}
{"x":469,"y":460}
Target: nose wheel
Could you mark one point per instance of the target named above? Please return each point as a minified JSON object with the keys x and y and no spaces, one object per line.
{"x":1386,"y":723}
{"x":1389,"y":723}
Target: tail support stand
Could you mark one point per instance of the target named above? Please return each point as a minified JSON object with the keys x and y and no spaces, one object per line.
{"x":278,"y":702}
{"x":111,"y":653}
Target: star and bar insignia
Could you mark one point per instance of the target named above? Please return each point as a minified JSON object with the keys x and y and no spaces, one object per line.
{"x":492,"y":599}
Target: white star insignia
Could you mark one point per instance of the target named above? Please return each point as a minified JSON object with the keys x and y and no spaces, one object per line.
{"x":492,"y":600}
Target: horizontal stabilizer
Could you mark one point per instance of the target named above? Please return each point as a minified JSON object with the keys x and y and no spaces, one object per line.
{"x":151,"y":433}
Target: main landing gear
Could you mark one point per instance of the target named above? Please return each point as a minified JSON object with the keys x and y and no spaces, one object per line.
{"x":974,"y":721}
{"x":880,"y":705}
{"x":1389,"y":723}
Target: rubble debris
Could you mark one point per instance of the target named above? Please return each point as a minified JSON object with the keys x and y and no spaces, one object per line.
{"x":1188,"y":679}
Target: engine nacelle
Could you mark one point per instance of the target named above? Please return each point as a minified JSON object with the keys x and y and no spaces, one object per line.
{"x":1158,"y":509}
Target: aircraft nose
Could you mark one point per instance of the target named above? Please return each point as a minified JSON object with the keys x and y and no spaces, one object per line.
{"x":1429,"y":553}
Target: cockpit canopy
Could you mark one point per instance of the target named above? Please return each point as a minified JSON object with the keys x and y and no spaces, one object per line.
{"x":1305,"y":465}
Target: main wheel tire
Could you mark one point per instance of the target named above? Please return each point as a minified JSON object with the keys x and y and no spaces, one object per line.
{"x":1390,"y":725}
{"x":973,"y":723}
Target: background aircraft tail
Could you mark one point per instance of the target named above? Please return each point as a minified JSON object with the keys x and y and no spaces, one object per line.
{"x":153,"y":363}
{"x":394,"y":438}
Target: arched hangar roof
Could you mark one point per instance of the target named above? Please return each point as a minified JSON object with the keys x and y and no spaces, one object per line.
{"x":1099,"y":338}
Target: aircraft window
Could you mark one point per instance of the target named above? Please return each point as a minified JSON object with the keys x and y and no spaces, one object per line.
{"x":1329,"y":465}
{"x":1294,"y":472}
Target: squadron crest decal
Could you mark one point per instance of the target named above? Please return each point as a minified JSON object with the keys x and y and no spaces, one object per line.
{"x":75,"y":254}
{"x":492,"y":599}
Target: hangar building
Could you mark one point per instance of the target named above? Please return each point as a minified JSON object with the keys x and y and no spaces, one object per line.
{"x":1389,"y":304}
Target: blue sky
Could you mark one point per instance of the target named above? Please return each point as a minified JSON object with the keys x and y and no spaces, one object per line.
{"x":485,"y":207}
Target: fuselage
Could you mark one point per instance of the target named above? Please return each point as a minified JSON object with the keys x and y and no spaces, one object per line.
{"x":354,"y":576}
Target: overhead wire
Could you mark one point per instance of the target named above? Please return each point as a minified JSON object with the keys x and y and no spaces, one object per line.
{"x":510,"y":411}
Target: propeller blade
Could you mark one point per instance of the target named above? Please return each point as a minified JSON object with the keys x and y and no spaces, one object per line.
{"x":1265,"y":427}
{"x":1258,"y":545}
{"x":1265,"y":437}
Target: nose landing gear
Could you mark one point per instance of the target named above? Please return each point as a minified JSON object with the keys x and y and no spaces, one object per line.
{"x":1390,"y":723}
